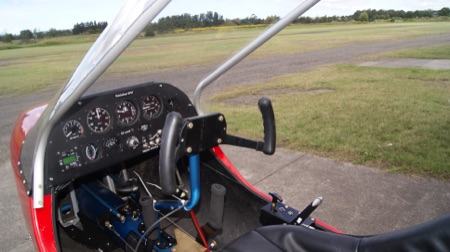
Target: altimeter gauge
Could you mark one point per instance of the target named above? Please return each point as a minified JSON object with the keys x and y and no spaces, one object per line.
{"x":98,"y":120}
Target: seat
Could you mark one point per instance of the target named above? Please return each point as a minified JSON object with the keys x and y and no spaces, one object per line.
{"x":430,"y":236}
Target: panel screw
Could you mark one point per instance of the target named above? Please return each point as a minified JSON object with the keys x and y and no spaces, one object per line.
{"x":189,"y":149}
{"x":190,"y":125}
{"x":219,"y":140}
{"x":221,"y":118}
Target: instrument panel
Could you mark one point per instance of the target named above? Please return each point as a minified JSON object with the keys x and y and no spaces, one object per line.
{"x":111,"y":127}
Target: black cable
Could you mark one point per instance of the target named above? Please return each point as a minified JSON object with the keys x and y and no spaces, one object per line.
{"x":154,"y":225}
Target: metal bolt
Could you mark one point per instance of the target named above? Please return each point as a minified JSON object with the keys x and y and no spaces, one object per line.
{"x":221,"y":118}
{"x":189,"y":149}
{"x":190,"y":125}
{"x":219,"y":140}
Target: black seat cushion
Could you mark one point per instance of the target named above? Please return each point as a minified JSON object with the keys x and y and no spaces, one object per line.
{"x":430,"y":236}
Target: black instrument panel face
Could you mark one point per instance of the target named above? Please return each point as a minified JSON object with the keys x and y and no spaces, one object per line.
{"x":109,"y":128}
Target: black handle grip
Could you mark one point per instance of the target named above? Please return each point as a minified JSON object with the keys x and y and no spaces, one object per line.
{"x":168,"y":153}
{"x":265,"y":106}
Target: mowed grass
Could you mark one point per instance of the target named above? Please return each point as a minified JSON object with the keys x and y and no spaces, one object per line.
{"x":435,"y":52}
{"x":32,"y":69}
{"x":395,"y":119}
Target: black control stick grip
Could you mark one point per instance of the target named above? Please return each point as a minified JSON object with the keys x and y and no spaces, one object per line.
{"x":265,"y":106}
{"x":168,"y":153}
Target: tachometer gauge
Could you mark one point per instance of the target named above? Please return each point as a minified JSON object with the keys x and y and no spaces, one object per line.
{"x":72,"y":129}
{"x":151,"y":106}
{"x":126,"y":112}
{"x":98,"y":120}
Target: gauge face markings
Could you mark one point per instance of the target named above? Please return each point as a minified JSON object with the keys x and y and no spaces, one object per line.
{"x":73,"y":129}
{"x":112,"y":143}
{"x":151,"y":106}
{"x":126,"y":112}
{"x":92,"y":152}
{"x":98,"y":120}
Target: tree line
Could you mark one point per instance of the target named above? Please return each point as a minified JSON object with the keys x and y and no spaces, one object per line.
{"x":212,"y":19}
{"x":92,"y":27}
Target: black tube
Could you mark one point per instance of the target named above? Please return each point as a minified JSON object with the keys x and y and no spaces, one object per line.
{"x":216,"y":206}
{"x":149,"y":215}
{"x":168,"y":153}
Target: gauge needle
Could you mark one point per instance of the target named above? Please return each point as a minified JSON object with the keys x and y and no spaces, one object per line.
{"x":98,"y":113}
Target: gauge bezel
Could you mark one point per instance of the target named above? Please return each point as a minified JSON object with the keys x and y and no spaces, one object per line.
{"x":97,"y":152}
{"x":144,"y":111}
{"x":80,"y":132}
{"x":101,"y":130}
{"x":135,"y":116}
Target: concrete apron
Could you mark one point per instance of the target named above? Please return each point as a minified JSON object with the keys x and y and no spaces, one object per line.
{"x":410,"y":63}
{"x":357,"y":199}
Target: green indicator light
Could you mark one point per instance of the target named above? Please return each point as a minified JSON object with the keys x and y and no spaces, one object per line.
{"x":69,"y":159}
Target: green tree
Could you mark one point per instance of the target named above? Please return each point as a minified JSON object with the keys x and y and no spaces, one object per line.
{"x":7,"y":38}
{"x":26,"y":35}
{"x":363,"y":17}
{"x":444,"y":12}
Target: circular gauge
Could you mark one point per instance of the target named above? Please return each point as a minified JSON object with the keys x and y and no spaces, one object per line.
{"x":112,"y":143}
{"x":98,"y":120}
{"x":126,"y":112}
{"x":151,"y":106}
{"x":92,"y":152}
{"x":73,"y":129}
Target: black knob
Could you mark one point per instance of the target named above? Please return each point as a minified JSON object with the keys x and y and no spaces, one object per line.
{"x":275,"y":198}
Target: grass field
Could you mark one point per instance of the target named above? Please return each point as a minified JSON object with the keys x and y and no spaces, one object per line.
{"x":395,"y":119}
{"x":35,"y":68}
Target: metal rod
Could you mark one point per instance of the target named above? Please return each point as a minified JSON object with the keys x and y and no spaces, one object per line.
{"x":255,"y":44}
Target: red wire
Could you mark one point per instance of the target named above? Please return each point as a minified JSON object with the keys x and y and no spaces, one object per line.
{"x":199,"y":229}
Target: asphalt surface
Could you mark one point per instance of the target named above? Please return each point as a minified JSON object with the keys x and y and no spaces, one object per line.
{"x":358,"y":200}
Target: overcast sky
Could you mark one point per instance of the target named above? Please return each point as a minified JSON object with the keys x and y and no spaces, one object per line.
{"x":17,"y":15}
